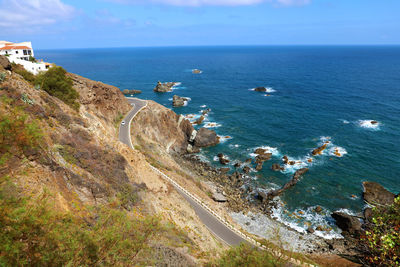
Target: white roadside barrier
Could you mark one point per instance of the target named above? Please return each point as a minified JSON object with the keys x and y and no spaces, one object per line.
{"x":250,"y":239}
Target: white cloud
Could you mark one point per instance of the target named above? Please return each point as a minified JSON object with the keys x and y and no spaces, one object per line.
{"x":195,"y":3}
{"x":22,"y":14}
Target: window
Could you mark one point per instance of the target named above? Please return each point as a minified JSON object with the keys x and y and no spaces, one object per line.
{"x":16,"y":52}
{"x":29,"y":52}
{"x":25,"y":52}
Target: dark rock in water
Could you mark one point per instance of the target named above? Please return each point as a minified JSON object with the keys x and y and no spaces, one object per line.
{"x":319,"y":150}
{"x":131,"y":92}
{"x":164,"y":87}
{"x":276,"y":167}
{"x":263,"y":157}
{"x":199,"y":120}
{"x":178,"y":101}
{"x":196,"y":71}
{"x":318,"y":209}
{"x":259,"y":166}
{"x":260,"y":151}
{"x":224,"y":170}
{"x":319,"y":228}
{"x":223,"y":160}
{"x":248,"y":161}
{"x":375,"y":193}
{"x":285,"y":159}
{"x":374,"y":122}
{"x":347,"y":223}
{"x":246,"y":169}
{"x":260,"y":89}
{"x":205,"y":138}
{"x":237,"y":165}
{"x":5,"y":63}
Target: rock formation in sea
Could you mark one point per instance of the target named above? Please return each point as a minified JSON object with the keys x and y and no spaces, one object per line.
{"x":178,"y":101}
{"x":164,"y":87}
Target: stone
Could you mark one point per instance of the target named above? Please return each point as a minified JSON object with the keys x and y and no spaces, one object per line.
{"x":259,"y":166}
{"x":319,"y":228}
{"x":206,"y":138}
{"x":248,"y":161}
{"x":285,"y":159}
{"x":263,"y":157}
{"x":206,"y":111}
{"x":368,"y":214}
{"x":5,"y":63}
{"x":224,"y":170}
{"x":318,"y":209}
{"x":347,"y":223}
{"x":375,"y":193}
{"x":374,"y":122}
{"x":310,"y":230}
{"x":237,"y":165}
{"x":260,"y":151}
{"x":199,"y":120}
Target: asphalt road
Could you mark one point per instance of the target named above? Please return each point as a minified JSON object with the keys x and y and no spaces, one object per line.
{"x":219,"y":229}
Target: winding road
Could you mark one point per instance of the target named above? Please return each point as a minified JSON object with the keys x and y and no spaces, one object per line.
{"x":218,"y":228}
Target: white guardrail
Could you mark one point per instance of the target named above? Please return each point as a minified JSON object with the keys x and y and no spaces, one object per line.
{"x":226,"y":223}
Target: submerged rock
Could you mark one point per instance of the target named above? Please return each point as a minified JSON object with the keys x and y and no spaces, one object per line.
{"x":196,"y":71}
{"x":199,"y":120}
{"x":260,"y":89}
{"x":276,"y":167}
{"x":319,"y":150}
{"x":375,"y":193}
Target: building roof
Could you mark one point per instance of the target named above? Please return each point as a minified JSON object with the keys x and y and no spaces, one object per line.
{"x":11,"y":47}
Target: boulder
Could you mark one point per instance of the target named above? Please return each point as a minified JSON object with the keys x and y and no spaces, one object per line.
{"x":347,"y":223}
{"x":285,"y":159}
{"x":206,"y":111}
{"x":237,"y":165}
{"x":164,"y":87}
{"x":260,"y":151}
{"x":205,"y":138}
{"x":318,"y":209}
{"x":222,"y":159}
{"x":276,"y":167}
{"x":263,"y":157}
{"x":310,"y":230}
{"x":178,"y":101}
{"x":248,"y":161}
{"x":259,"y":166}
{"x":260,"y":89}
{"x":368,"y":214}
{"x":375,"y":193}
{"x":374,"y":122}
{"x":5,"y":63}
{"x":218,"y":197}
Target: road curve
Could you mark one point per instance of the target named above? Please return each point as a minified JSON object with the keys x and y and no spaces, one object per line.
{"x":219,"y":229}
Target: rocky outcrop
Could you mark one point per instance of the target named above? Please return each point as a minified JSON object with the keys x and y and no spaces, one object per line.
{"x":164,"y":87}
{"x":205,"y":138}
{"x":376,"y":194}
{"x":219,"y":197}
{"x":276,"y":167}
{"x":5,"y":63}
{"x":260,"y":89}
{"x":205,"y":112}
{"x":347,"y":223}
{"x":131,"y":92}
{"x":319,"y":150}
{"x":295,"y":179}
{"x":199,"y":120}
{"x":178,"y":101}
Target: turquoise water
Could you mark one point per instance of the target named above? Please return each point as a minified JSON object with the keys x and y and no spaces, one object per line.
{"x":316,"y":94}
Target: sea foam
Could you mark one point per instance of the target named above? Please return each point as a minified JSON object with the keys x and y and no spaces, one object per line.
{"x":368,"y":124}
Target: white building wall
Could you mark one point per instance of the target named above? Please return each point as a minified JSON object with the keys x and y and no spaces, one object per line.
{"x":33,"y":67}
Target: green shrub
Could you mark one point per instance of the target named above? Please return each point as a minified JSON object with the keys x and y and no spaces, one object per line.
{"x":28,"y":76}
{"x":17,"y":134}
{"x":246,"y":255}
{"x":34,"y":233}
{"x":382,"y":239}
{"x":32,"y":59}
{"x":56,"y":83}
{"x":2,"y":76}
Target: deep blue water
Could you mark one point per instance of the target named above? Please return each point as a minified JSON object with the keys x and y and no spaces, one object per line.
{"x":320,"y":91}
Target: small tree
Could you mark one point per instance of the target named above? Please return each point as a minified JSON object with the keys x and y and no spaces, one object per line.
{"x":32,"y":59}
{"x":56,"y":83}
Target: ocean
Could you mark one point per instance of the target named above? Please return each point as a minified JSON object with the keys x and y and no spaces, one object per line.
{"x":315,"y":94}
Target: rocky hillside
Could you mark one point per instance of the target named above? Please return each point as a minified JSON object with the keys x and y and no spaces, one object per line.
{"x":70,"y":157}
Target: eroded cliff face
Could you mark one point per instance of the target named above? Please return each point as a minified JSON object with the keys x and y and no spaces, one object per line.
{"x":81,"y":162}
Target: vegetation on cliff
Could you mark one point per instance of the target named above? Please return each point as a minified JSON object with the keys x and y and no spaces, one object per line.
{"x":382,"y":237}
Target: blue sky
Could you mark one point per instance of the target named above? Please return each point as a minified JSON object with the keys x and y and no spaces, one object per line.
{"x":126,"y":23}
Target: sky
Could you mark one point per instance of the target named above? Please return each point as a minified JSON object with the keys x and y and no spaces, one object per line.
{"x":59,"y":24}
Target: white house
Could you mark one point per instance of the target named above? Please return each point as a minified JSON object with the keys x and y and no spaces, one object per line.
{"x":20,"y":53}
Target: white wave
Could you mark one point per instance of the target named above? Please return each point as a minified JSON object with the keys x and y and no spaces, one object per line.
{"x":369,"y":124}
{"x":224,"y":138}
{"x":294,"y":164}
{"x":337,"y":151}
{"x":347,"y":211}
{"x":234,"y":146}
{"x":203,"y":106}
{"x":268,"y":149}
{"x":212,"y":125}
{"x":170,"y":99}
{"x":345,"y":121}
